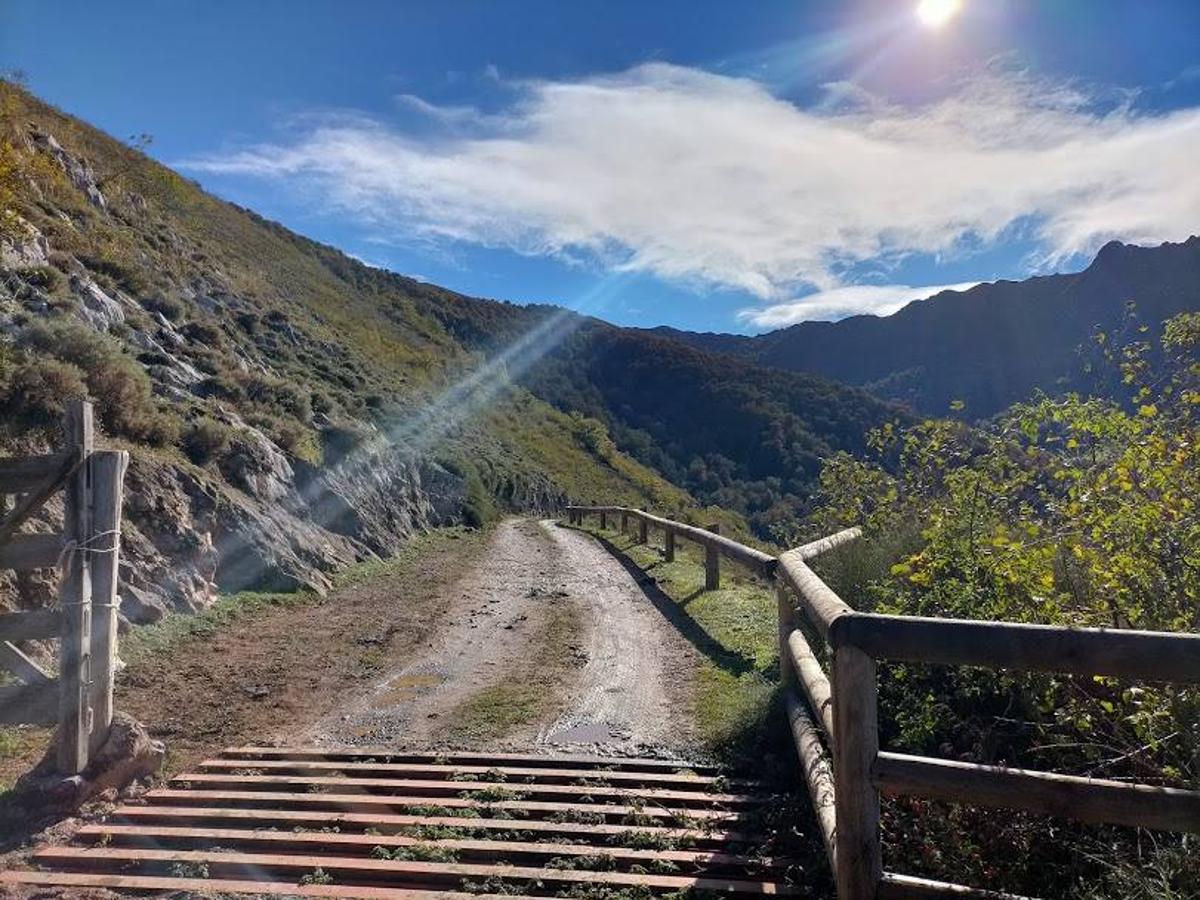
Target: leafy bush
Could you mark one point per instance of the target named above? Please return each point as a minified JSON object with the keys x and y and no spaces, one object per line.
{"x":1070,"y":511}
{"x":204,"y":440}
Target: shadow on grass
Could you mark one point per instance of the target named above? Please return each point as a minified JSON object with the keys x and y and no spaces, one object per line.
{"x":672,"y":610}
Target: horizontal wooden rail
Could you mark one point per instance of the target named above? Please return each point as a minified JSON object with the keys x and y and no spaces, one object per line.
{"x":35,"y":625}
{"x":1147,"y":655}
{"x":31,"y":551}
{"x":1068,"y":796}
{"x":906,"y":887}
{"x":813,"y":679}
{"x":756,"y":560}
{"x":818,"y":600}
{"x":818,"y":775}
{"x":16,"y":473}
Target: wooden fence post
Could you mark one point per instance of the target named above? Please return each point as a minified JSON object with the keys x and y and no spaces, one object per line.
{"x":855,"y":747}
{"x":108,"y":478}
{"x":624,"y":522}
{"x":603,"y":520}
{"x":787,"y":622}
{"x":669,"y":544}
{"x":75,"y":597}
{"x":643,"y":529}
{"x":712,"y":563}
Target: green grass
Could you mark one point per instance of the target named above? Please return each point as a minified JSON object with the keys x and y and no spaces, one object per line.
{"x":736,"y":687}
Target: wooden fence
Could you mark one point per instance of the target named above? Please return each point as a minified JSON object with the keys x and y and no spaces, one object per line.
{"x":79,"y":700}
{"x":834,"y":721}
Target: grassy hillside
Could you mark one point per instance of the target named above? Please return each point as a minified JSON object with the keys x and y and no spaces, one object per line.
{"x":314,"y":350}
{"x":318,"y":352}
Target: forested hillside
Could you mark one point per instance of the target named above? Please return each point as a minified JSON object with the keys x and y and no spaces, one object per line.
{"x":744,"y":437}
{"x":990,"y":346}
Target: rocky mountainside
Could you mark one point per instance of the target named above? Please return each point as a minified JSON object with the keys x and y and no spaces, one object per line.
{"x":301,"y":410}
{"x":992,"y":345}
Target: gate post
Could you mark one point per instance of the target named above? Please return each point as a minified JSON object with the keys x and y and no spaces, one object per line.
{"x":108,"y":478}
{"x":855,"y":747}
{"x":712,"y":563}
{"x":75,"y":598}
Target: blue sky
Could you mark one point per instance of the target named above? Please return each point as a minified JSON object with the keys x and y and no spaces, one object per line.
{"x":715,"y":166}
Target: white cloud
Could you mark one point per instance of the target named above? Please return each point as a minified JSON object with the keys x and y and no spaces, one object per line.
{"x":710,"y":179}
{"x":837,"y":303}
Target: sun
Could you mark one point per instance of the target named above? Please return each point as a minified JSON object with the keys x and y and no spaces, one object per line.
{"x":936,"y":13}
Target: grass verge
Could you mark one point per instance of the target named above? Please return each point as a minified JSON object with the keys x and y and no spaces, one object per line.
{"x":734,"y":627}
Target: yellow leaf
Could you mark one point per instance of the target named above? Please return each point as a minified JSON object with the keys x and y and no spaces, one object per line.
{"x":1149,"y":410}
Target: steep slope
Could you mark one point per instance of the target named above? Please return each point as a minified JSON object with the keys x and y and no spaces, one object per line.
{"x":989,"y":346}
{"x":306,"y":410}
{"x":297,"y":406}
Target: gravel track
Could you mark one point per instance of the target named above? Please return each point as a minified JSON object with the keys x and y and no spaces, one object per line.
{"x":626,"y":685}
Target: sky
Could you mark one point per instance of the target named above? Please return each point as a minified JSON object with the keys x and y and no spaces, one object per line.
{"x":715,"y":166}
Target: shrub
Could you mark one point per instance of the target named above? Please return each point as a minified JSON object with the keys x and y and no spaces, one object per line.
{"x":48,"y":278}
{"x":37,"y":392}
{"x":171,"y":308}
{"x":203,"y":333}
{"x":478,"y":508}
{"x":204,"y":440}
{"x":223,"y":387}
{"x":116,"y":382}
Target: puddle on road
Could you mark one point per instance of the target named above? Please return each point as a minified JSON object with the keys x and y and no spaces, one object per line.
{"x":404,"y":688}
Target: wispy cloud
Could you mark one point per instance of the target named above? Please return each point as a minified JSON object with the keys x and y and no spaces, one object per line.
{"x":709,"y":179}
{"x":837,"y":303}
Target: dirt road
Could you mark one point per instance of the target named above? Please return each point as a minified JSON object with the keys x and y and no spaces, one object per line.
{"x":548,"y":621}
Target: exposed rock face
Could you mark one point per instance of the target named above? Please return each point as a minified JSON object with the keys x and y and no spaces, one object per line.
{"x":255,"y":517}
{"x":77,"y":170}
{"x":96,"y":308}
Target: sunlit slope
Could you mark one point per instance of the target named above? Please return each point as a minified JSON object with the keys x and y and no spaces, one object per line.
{"x":293,"y":338}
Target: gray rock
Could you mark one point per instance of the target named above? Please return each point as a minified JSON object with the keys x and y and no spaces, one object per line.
{"x":78,"y":172}
{"x":98,"y":310}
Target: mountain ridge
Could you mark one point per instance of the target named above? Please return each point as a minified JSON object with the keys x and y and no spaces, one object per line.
{"x":989,"y":346}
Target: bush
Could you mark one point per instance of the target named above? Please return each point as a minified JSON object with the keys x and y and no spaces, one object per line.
{"x":36,"y":392}
{"x":203,"y":333}
{"x":204,"y":440}
{"x":116,"y":382}
{"x":478,"y":508}
{"x":48,"y":278}
{"x":171,"y":308}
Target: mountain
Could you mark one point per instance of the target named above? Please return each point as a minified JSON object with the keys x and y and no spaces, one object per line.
{"x":306,"y":410}
{"x":989,"y":346}
{"x":747,"y":438}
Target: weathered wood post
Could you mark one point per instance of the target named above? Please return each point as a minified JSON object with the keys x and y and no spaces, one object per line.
{"x":669,"y":544}
{"x":643,"y":529}
{"x":603,"y":520}
{"x":108,"y":479}
{"x":624,"y":522}
{"x":787,"y":623}
{"x":75,"y":597}
{"x":712,"y":563}
{"x":855,"y":747}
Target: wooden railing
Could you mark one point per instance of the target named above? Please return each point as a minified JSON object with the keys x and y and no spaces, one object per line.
{"x":79,"y":700}
{"x":834,"y":721}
